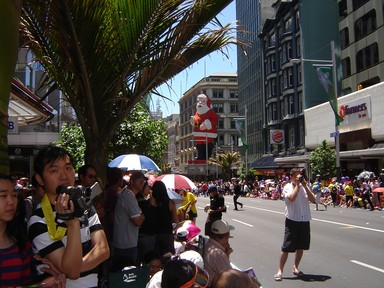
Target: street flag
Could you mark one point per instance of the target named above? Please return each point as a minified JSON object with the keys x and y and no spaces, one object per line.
{"x":325,"y":76}
{"x":240,"y":126}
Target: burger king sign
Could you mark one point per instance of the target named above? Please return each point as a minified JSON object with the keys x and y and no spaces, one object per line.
{"x":277,"y":136}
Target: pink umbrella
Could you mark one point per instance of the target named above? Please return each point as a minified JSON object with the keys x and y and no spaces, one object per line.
{"x":176,"y":181}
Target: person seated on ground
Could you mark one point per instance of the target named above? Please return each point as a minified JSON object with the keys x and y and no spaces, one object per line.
{"x":190,"y":255}
{"x":232,"y":278}
{"x":183,"y":274}
{"x":217,"y":249}
{"x":154,"y":262}
{"x":180,"y":240}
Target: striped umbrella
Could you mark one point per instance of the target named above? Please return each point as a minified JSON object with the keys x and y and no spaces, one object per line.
{"x":176,"y":181}
{"x":134,"y":162}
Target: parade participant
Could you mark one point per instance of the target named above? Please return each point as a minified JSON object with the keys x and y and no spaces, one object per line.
{"x":74,"y":243}
{"x":187,"y":210}
{"x":215,"y":208}
{"x":236,"y":194}
{"x":297,"y":226}
{"x":217,"y":249}
{"x":317,"y":190}
{"x":205,"y":127}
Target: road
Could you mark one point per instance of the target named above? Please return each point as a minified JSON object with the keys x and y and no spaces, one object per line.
{"x":347,"y":246}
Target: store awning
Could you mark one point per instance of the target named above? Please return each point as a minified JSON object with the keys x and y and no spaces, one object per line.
{"x":371,"y":153}
{"x":26,"y":106}
{"x":266,"y":162}
{"x":297,"y":159}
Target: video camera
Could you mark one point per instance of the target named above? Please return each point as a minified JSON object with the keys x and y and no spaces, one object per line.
{"x":81,"y":198}
{"x":303,"y":176}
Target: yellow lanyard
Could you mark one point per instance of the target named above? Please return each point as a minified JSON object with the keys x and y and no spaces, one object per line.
{"x":55,"y":233}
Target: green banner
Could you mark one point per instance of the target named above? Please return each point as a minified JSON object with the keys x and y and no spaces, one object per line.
{"x":240,"y":126}
{"x":325,"y":77}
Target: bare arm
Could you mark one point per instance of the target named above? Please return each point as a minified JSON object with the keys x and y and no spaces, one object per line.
{"x":172,"y":208}
{"x":138,"y":220}
{"x":311,"y":196}
{"x":99,"y":252}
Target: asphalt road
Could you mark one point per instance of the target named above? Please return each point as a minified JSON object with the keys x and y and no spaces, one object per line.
{"x":347,"y":246}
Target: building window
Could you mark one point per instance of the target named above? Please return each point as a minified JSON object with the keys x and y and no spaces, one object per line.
{"x":217,"y":93}
{"x":291,"y":138}
{"x":365,"y":25}
{"x":343,"y":11}
{"x":298,"y":47}
{"x":301,"y":104}
{"x":288,"y":25}
{"x":356,"y":4}
{"x":299,"y":74}
{"x":272,"y":40}
{"x":297,"y":20}
{"x":344,"y":38}
{"x":234,"y":108}
{"x":367,"y":57}
{"x":233,"y":124}
{"x":220,"y":124}
{"x":273,"y":87}
{"x":273,"y":63}
{"x":346,"y":66}
{"x":233,"y":94}
{"x":282,"y":109}
{"x":220,"y":139}
{"x":289,"y":50}
{"x":218,"y":107}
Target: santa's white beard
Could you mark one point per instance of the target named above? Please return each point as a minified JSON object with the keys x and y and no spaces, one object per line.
{"x":202,"y":109}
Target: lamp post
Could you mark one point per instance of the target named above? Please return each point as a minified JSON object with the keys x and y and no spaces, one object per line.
{"x":329,"y":63}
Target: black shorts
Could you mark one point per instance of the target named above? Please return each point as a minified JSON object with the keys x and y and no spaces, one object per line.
{"x":297,"y":236}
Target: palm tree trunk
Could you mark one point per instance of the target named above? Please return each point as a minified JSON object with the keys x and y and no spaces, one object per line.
{"x":9,"y":31}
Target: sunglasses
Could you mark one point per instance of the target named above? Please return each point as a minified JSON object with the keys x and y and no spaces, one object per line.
{"x":200,"y":280}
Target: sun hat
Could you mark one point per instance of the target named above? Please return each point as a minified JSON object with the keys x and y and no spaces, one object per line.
{"x":221,"y":227}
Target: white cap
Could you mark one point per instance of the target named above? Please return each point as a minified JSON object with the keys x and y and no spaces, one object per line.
{"x":194,"y":257}
{"x":221,"y":227}
{"x":182,"y":232}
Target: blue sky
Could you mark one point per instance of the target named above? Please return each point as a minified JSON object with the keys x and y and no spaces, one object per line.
{"x":214,"y":63}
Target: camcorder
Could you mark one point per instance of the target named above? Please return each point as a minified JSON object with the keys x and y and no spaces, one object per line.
{"x":81,"y":198}
{"x":303,"y":175}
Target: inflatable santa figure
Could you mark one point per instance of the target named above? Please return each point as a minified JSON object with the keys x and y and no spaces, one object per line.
{"x":205,"y":127}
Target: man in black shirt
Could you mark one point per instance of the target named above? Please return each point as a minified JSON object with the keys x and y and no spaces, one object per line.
{"x":216,"y":208}
{"x":236,"y":194}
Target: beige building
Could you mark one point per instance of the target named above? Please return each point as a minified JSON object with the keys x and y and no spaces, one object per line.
{"x":222,"y":91}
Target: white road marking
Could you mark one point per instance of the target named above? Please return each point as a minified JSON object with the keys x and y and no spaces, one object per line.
{"x":368,"y":266}
{"x":348,"y":225}
{"x":241,"y":222}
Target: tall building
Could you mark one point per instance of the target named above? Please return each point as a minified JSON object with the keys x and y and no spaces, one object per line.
{"x":222,"y":91}
{"x":250,"y":14}
{"x":362,"y":43}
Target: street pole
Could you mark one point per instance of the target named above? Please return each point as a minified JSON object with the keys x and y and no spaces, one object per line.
{"x":246,"y":141}
{"x":337,"y":138}
{"x":206,"y":154}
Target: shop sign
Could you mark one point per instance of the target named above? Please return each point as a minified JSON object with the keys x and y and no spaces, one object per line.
{"x":358,"y":110}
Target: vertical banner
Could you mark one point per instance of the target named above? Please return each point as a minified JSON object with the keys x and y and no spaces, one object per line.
{"x":325,"y":77}
{"x":277,"y":136}
{"x":240,"y":126}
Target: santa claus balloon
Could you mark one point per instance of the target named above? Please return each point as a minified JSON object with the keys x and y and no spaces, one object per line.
{"x":205,"y":127}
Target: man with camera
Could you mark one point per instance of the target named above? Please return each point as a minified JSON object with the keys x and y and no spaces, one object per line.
{"x":297,"y":237}
{"x":63,"y":229}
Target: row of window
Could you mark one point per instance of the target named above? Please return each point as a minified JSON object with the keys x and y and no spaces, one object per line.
{"x":363,"y":26}
{"x":287,"y":108}
{"x":365,"y":58}
{"x":285,"y":54}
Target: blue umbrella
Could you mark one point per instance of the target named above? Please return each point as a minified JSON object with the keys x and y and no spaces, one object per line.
{"x":134,"y":162}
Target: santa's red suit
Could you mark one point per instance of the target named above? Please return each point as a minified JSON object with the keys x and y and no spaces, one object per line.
{"x":204,"y":127}
{"x":201,"y":135}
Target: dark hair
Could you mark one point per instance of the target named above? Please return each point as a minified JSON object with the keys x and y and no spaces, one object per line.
{"x":114,"y":175}
{"x":17,"y":228}
{"x":177,"y":272}
{"x":151,"y":255}
{"x":83,"y":169}
{"x":49,"y":155}
{"x":159,"y":192}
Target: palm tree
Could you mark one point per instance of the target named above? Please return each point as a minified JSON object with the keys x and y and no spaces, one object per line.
{"x":106,"y":55}
{"x":9,"y":27}
{"x":226,"y":161}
